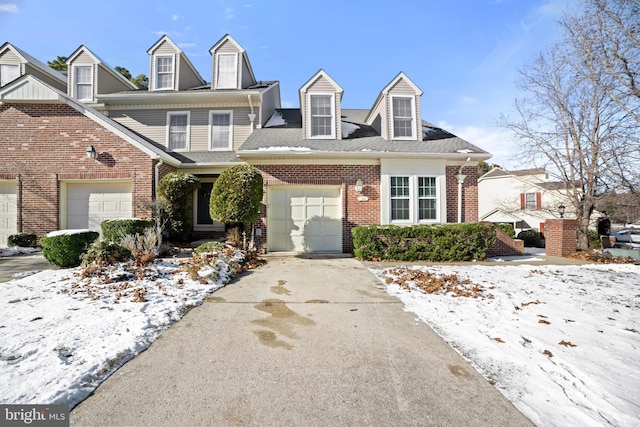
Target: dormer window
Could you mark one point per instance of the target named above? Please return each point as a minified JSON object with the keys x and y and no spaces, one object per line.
{"x":164,"y":72}
{"x":83,"y":82}
{"x":227,"y":73}
{"x":8,"y":73}
{"x":321,"y":108}
{"x":403,"y":117}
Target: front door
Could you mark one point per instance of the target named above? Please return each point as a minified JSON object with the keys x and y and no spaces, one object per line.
{"x":202,"y":219}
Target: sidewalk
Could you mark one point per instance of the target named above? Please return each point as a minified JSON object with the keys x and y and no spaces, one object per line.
{"x":299,"y":341}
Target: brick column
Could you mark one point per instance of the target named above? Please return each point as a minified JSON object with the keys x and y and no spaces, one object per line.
{"x":561,"y":237}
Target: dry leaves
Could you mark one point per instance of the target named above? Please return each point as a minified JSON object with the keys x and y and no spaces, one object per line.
{"x":431,"y":283}
{"x":567,"y":343}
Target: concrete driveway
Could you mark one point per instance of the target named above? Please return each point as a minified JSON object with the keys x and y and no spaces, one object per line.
{"x":304,"y":342}
{"x":18,"y":264}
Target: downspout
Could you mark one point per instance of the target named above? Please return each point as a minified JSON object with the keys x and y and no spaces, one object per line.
{"x":157,"y":178}
{"x":252,"y":115}
{"x":461,"y":178}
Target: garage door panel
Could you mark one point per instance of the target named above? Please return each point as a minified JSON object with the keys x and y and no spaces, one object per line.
{"x":88,"y":204}
{"x":8,"y":211}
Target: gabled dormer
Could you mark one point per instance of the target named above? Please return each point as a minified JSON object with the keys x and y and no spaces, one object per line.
{"x":396,"y":112}
{"x":15,"y":62}
{"x":320,"y":99}
{"x":170,"y":69}
{"x":231,"y":66}
{"x":88,"y":76}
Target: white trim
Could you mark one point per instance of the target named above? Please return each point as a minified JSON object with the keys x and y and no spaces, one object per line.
{"x":229,"y":147}
{"x":216,"y":226}
{"x":74,"y":83}
{"x":332,"y":97}
{"x":235,"y":77}
{"x":413,"y":199}
{"x":155,"y":72}
{"x":168,"y":123}
{"x":412,"y":100}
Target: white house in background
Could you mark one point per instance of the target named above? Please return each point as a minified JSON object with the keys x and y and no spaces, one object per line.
{"x":523,"y":198}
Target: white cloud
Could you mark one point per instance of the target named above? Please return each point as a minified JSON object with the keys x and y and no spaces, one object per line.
{"x":229,"y":12}
{"x":9,"y":7}
{"x":175,"y":17}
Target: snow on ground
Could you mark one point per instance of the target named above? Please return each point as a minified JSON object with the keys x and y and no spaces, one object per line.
{"x":62,"y":334}
{"x":16,"y":250}
{"x":560,"y":342}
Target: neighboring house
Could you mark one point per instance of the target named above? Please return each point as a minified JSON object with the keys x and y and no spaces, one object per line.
{"x":95,"y":149}
{"x":522,"y":198}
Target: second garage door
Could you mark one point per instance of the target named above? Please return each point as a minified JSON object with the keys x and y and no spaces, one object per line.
{"x":8,"y":211}
{"x":88,"y":204}
{"x":304,"y":219}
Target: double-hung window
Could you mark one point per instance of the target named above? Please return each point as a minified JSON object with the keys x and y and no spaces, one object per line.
{"x":164,"y":72}
{"x":178,"y":131}
{"x":413,"y":199}
{"x":221,"y":130}
{"x":321,"y":107}
{"x":403,"y":117}
{"x":530,"y":201}
{"x":83,"y":82}
{"x":227,"y":75}
{"x":8,"y":73}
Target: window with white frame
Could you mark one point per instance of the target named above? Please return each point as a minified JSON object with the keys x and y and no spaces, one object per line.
{"x":413,"y":199}
{"x":321,"y":108}
{"x":530,"y":202}
{"x":221,"y":130}
{"x":8,"y":73}
{"x":403,"y":117}
{"x":83,"y":82}
{"x":177,"y":131}
{"x":227,"y":75}
{"x":164,"y":72}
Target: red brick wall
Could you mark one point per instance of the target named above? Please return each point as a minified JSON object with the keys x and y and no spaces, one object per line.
{"x":505,"y":245}
{"x":354,"y":212}
{"x":561,"y":237}
{"x":469,"y":194}
{"x":43,"y":144}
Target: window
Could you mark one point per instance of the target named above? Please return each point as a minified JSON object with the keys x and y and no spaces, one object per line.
{"x":530,"y":201}
{"x":221,"y":130}
{"x":427,"y":198}
{"x":178,"y":131}
{"x":227,"y":74}
{"x":83,"y":82}
{"x":400,"y":201}
{"x":413,"y":199}
{"x":321,"y":108}
{"x":403,"y":118}
{"x":8,"y":73}
{"x":164,"y":72}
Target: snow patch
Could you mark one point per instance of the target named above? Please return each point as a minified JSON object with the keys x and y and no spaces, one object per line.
{"x":348,"y":129}
{"x":276,"y":119}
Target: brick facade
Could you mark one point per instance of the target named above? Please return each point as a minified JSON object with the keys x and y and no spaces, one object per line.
{"x":44,"y":144}
{"x":469,"y":194}
{"x":354,"y":212}
{"x":561,"y":237}
{"x":505,"y":245}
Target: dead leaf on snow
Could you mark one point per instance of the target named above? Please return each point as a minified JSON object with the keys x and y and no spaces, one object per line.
{"x":567,"y":343}
{"x":498,"y":340}
{"x":524,"y":304}
{"x":544,"y":322}
{"x":547,"y":353}
{"x":631,"y":330}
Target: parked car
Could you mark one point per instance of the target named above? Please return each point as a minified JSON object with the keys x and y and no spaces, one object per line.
{"x":627,"y":236}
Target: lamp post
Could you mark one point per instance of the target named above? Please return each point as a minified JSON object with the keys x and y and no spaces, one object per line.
{"x":561,"y":209}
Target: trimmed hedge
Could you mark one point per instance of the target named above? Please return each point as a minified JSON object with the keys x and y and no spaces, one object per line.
{"x":531,"y":238}
{"x":65,"y":250}
{"x":210,"y":247}
{"x":23,"y":240}
{"x":442,"y":242}
{"x":114,"y":229}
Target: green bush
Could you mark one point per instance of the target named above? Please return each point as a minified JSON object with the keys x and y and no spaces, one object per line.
{"x":103,"y":252}
{"x":507,"y":228}
{"x":175,"y":189}
{"x":445,"y":242}
{"x":24,"y":240}
{"x":210,"y":247}
{"x":65,"y":250}
{"x":594,"y":239}
{"x":236,"y":195}
{"x":114,"y":229}
{"x":532,"y":238}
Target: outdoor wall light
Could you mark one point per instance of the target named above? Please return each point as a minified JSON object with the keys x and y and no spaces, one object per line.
{"x":359,"y":186}
{"x":91,"y":152}
{"x":561,"y":209}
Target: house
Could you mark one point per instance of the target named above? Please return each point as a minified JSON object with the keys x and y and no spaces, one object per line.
{"x":523,"y":198}
{"x":96,"y":147}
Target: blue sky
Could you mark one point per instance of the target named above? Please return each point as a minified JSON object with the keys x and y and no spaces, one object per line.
{"x":463,"y":54}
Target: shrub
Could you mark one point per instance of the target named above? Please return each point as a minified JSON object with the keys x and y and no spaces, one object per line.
{"x":114,"y":229}
{"x":594,"y":239}
{"x":446,"y":242}
{"x":103,"y":252}
{"x":236,"y":195}
{"x":176,"y":191}
{"x":24,"y":240}
{"x":64,"y":249}
{"x":531,"y":238}
{"x":210,"y":247}
{"x":508,"y":229}
{"x":143,"y":247}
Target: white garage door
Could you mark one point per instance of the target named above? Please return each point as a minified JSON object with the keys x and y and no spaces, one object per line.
{"x":88,"y":204}
{"x":304,"y":219}
{"x":8,"y":211}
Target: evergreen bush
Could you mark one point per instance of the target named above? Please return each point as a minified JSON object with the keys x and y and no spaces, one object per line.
{"x":532,"y":238}
{"x":103,"y":252}
{"x":64,"y":249}
{"x":210,"y":247}
{"x":236,"y":195}
{"x":114,"y":229}
{"x":176,"y":191}
{"x":23,"y":240}
{"x":443,"y":242}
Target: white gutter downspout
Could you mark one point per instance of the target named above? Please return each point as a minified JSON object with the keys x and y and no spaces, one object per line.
{"x":461,"y":178}
{"x":157,"y":177}
{"x":252,"y":116}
